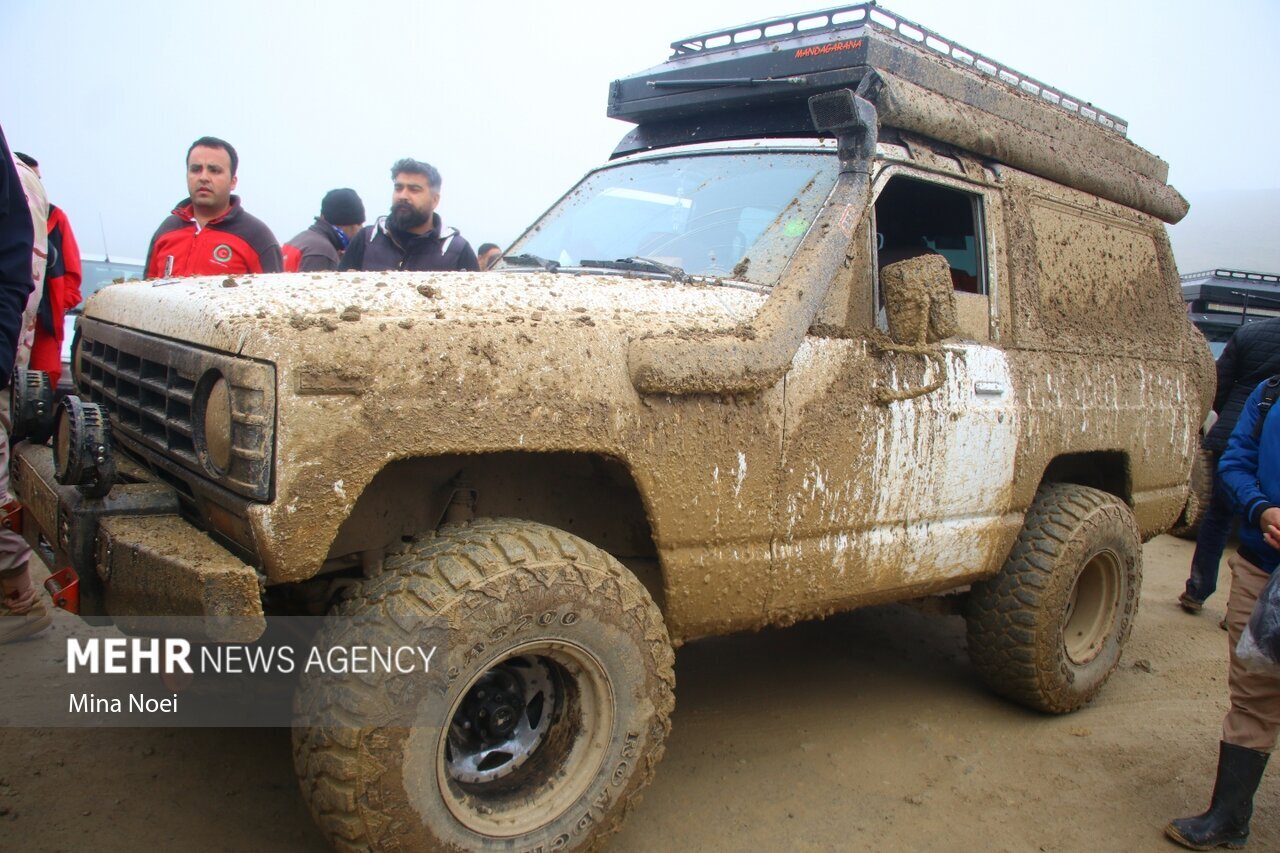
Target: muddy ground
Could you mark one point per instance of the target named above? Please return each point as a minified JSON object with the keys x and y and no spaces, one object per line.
{"x":866,"y":732}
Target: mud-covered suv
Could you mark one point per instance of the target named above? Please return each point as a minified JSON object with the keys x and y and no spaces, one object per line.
{"x":853,"y":315}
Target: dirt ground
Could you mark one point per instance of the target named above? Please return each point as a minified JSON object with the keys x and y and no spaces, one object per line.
{"x":868,"y":731}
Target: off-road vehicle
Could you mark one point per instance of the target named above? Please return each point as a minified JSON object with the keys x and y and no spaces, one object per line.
{"x":853,"y":315}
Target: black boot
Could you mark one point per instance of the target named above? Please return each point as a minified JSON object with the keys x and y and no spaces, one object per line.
{"x":1226,"y":823}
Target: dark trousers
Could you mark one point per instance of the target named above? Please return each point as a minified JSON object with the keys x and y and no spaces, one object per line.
{"x":1215,"y":529}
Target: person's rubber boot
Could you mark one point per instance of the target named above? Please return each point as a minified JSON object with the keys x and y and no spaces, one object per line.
{"x":1226,"y":823}
{"x":17,"y":626}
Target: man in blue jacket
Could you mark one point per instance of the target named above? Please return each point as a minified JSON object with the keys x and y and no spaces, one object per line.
{"x":1250,"y":473}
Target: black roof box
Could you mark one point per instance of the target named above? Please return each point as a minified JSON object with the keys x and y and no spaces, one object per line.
{"x":786,"y":60}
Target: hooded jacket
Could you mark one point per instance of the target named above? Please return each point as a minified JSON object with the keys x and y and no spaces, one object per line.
{"x":382,"y":247}
{"x":1250,"y":471}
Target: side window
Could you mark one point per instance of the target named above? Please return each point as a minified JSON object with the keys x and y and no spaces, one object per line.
{"x":915,"y":217}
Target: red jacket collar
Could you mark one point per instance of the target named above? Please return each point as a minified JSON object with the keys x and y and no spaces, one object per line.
{"x":187,"y":213}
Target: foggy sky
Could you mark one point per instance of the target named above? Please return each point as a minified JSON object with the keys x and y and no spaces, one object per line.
{"x":508,"y":99}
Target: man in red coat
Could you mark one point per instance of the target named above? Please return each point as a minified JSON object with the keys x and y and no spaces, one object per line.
{"x":61,"y":288}
{"x":209,"y":233}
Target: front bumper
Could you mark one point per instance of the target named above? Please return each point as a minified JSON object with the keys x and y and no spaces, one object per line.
{"x":140,"y":564}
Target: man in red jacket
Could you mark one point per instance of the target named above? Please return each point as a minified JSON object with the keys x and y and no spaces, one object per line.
{"x":61,"y":288}
{"x":209,"y":233}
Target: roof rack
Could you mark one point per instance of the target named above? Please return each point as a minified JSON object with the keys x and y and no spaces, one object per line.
{"x":843,"y":18}
{"x":756,"y":81}
{"x":764,"y":52}
{"x":1224,"y":292}
{"x":1237,"y":275}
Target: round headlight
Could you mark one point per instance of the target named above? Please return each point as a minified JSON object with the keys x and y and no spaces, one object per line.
{"x":82,"y":455}
{"x":216,"y":424}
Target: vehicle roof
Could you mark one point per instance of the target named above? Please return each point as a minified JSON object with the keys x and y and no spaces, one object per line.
{"x":103,"y":259}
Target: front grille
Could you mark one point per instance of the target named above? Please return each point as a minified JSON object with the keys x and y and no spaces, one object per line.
{"x":149,"y":385}
{"x":148,"y":399}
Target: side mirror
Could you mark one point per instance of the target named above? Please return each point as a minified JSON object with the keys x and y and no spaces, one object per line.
{"x":919,"y":300}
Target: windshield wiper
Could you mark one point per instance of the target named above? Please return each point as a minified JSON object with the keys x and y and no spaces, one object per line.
{"x":640,"y":264}
{"x":527,"y":260}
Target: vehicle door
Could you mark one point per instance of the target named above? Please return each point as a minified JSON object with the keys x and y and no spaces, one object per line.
{"x":897,"y":464}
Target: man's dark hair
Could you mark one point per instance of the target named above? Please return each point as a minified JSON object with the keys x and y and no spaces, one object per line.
{"x":215,"y":142}
{"x":484,"y":247}
{"x":408,"y":165}
{"x":26,"y":158}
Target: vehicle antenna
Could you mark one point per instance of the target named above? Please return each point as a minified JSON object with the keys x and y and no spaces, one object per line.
{"x":106,"y":253}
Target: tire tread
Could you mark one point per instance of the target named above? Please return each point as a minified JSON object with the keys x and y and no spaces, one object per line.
{"x":1005,"y":612}
{"x":432,"y":575}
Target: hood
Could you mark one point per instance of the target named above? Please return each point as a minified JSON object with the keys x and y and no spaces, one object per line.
{"x":255,"y":315}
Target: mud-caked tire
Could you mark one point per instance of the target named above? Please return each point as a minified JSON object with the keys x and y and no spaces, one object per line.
{"x":1049,"y":628}
{"x":1199,"y":493}
{"x":541,"y":718}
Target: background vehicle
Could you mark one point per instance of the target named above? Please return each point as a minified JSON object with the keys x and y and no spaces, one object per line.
{"x":796,"y":349}
{"x":98,"y":272}
{"x":1222,"y":300}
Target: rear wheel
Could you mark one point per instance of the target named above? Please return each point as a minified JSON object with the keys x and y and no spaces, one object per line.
{"x":1049,"y":628}
{"x":543,"y":714}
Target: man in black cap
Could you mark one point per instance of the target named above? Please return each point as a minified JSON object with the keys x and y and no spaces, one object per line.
{"x":320,"y":247}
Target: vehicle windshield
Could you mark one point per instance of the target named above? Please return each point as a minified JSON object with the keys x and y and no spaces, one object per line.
{"x":729,"y":215}
{"x":98,"y":274}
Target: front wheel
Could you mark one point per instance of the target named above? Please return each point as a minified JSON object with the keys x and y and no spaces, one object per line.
{"x":1048,"y":629}
{"x":542,"y":716}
